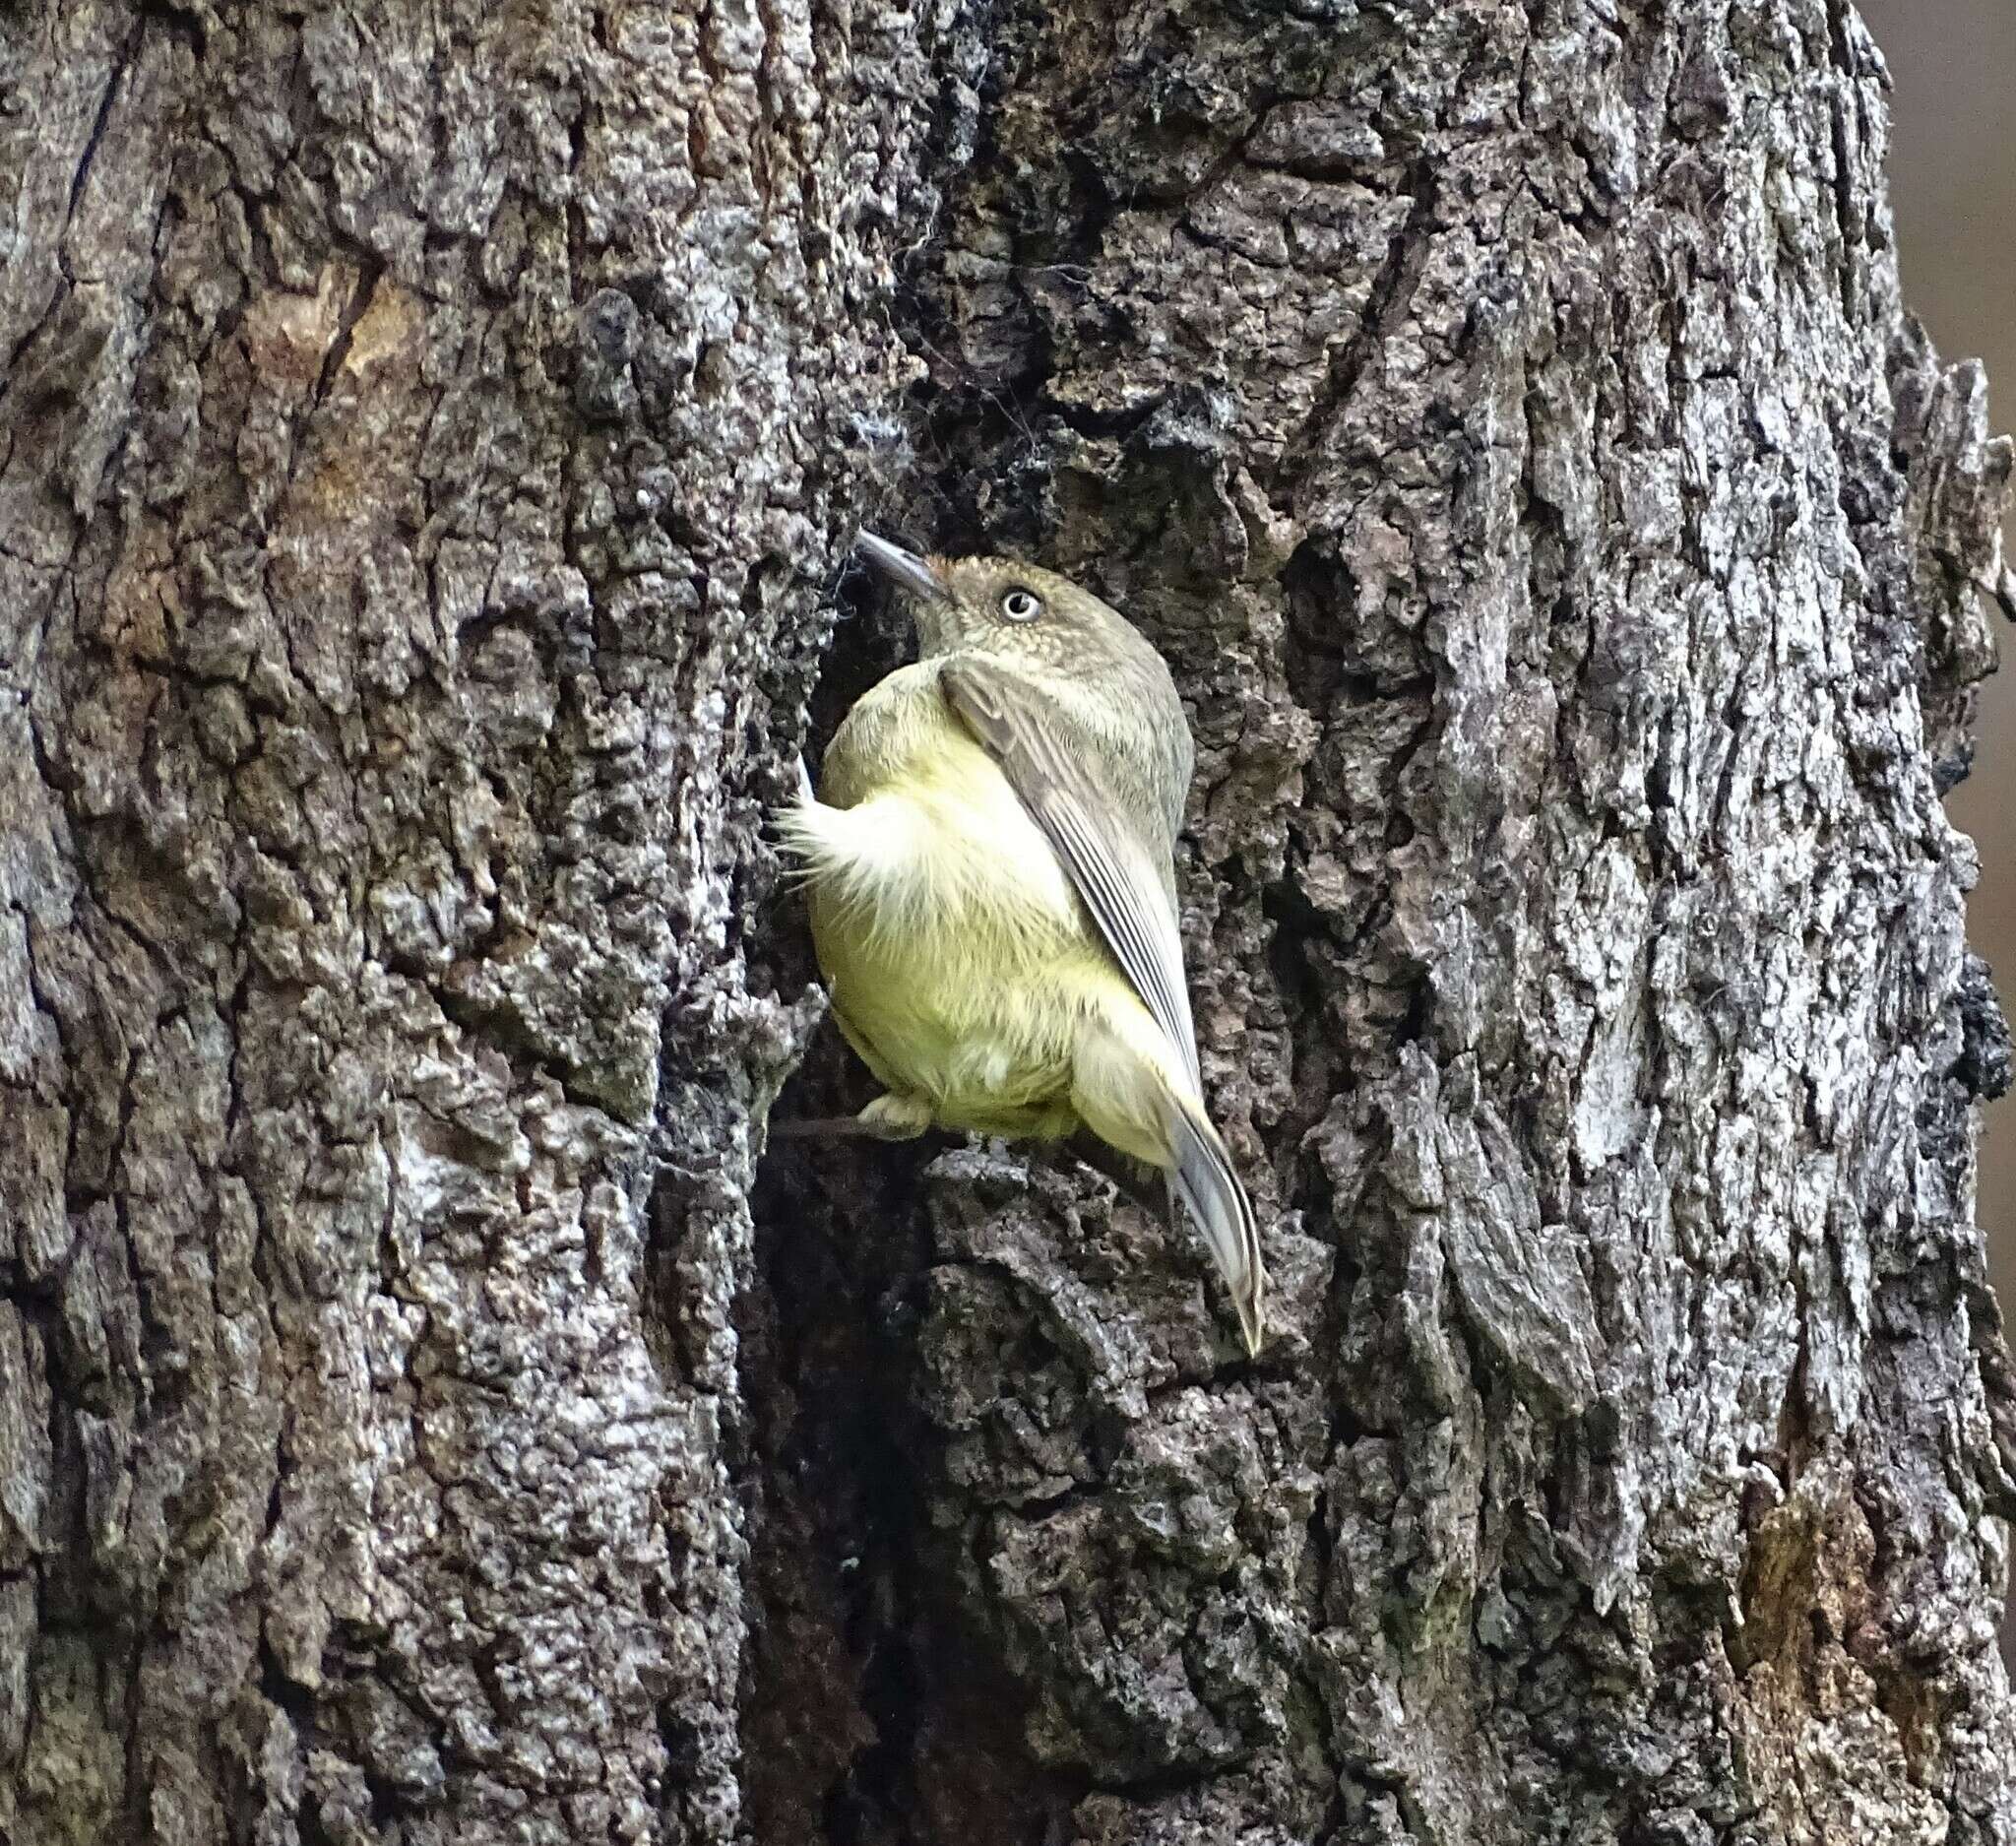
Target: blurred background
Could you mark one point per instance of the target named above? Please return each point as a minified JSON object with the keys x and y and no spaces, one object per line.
{"x":1953,"y":196}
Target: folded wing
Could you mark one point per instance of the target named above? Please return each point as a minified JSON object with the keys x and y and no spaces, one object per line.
{"x":1124,"y":889}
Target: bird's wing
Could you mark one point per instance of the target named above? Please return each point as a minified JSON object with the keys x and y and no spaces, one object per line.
{"x":1108,"y":863}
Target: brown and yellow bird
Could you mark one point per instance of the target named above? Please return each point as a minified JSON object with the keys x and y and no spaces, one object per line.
{"x":993,"y":888}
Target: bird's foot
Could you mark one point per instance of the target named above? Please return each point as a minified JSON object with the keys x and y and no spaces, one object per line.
{"x":890,"y":1118}
{"x":896,"y":1116}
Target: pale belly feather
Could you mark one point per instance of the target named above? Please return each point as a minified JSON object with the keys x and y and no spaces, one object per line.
{"x":961,"y":962}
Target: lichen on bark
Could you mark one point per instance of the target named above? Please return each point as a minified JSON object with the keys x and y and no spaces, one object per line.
{"x":424,"y":430}
{"x":428,"y":442}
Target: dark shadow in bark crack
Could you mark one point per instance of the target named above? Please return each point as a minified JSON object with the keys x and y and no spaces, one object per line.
{"x":871,"y":1715}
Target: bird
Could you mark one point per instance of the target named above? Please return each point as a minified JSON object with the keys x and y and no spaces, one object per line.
{"x":989,"y":862}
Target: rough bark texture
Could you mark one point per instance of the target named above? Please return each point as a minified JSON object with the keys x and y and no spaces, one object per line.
{"x":426,"y":441}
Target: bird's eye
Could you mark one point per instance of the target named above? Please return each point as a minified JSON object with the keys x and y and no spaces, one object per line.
{"x":1020,"y":605}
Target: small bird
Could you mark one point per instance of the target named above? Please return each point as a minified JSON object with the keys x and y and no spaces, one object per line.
{"x":993,"y":890}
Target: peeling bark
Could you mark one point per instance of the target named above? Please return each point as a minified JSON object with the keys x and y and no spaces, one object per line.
{"x":427,"y":439}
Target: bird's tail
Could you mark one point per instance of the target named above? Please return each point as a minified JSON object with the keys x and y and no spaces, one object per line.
{"x":1204,"y":1179}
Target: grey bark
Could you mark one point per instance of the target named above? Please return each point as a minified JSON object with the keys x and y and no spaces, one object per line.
{"x":427,"y":440}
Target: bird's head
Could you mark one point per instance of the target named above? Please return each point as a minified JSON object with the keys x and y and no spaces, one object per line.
{"x":1001,"y":607}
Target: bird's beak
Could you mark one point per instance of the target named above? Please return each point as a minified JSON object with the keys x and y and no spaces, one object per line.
{"x":905,"y":569}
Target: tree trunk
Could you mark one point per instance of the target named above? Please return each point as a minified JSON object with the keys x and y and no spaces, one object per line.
{"x":428,"y":438}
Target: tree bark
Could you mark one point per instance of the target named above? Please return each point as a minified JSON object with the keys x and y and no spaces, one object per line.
{"x":428,"y":438}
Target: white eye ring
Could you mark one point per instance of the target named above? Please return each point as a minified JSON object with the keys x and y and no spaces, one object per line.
{"x":1022,"y":606}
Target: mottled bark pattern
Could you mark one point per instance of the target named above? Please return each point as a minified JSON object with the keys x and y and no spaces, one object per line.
{"x":427,"y":436}
{"x":1504,"y":418}
{"x":421,"y":428}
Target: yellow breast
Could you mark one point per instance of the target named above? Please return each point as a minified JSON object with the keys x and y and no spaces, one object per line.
{"x":960,"y":959}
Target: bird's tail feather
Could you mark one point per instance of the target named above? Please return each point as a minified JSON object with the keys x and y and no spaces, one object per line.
{"x":1204,"y":1179}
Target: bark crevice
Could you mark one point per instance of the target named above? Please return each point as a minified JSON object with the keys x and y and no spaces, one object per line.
{"x":428,"y":1408}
